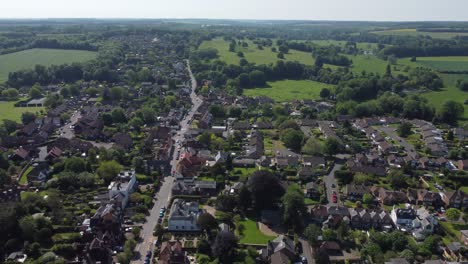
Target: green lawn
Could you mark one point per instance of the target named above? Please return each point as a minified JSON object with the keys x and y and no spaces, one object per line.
{"x":251,"y":233}
{"x":288,"y":90}
{"x":29,"y":58}
{"x":414,"y":32}
{"x":253,"y":54}
{"x":24,"y":179}
{"x":9,"y":111}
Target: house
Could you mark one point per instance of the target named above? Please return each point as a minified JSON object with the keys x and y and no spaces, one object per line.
{"x":319,"y":213}
{"x":280,"y":250}
{"x":172,"y":253}
{"x":456,"y":199}
{"x":122,"y":186}
{"x":425,"y":224}
{"x":464,"y":237}
{"x":388,"y":197}
{"x":428,"y":198}
{"x":366,"y":218}
{"x":183,"y":216}
{"x":312,"y":190}
{"x":17,"y":256}
{"x":20,"y":154}
{"x":189,"y":165}
{"x":54,"y":153}
{"x":331,"y":248}
{"x":403,"y":217}
{"x":313,"y":161}
{"x":355,"y":192}
{"x":203,"y":188}
{"x":462,"y":164}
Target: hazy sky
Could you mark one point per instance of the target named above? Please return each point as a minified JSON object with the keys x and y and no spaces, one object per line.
{"x":379,"y":10}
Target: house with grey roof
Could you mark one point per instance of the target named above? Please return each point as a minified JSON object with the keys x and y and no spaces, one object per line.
{"x":183,"y":216}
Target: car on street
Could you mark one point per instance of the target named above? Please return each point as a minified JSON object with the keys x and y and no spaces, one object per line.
{"x":334,"y":197}
{"x":333,"y":185}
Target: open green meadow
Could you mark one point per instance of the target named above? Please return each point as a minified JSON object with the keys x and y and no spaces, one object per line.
{"x":9,"y":111}
{"x":371,"y":63}
{"x":449,"y":92}
{"x":414,"y":32}
{"x":253,"y":54}
{"x":29,"y":58}
{"x":287,"y":90}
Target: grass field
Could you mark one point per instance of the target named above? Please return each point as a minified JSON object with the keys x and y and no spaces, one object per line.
{"x":251,"y":233}
{"x":9,"y":111}
{"x":288,"y":90}
{"x":253,"y":54}
{"x":452,"y":63}
{"x":450,"y":92}
{"x":414,"y":32}
{"x":29,"y":58}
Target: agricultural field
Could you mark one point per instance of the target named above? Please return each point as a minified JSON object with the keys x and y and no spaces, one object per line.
{"x":451,"y":63}
{"x":371,"y":63}
{"x":287,"y":90}
{"x":414,"y":32}
{"x":9,"y":111}
{"x":29,"y":58}
{"x":253,"y":54}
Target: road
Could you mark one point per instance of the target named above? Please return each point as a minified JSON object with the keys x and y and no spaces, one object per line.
{"x":390,"y":131}
{"x":331,"y":181}
{"x":307,"y":251}
{"x":146,"y":241}
{"x":66,"y":131}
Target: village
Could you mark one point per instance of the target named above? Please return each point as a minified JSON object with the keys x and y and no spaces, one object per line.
{"x":175,"y":170}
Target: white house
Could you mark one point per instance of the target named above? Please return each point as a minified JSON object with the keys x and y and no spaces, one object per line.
{"x":183,"y":216}
{"x":121,"y":188}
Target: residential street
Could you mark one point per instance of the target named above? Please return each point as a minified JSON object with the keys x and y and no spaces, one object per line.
{"x":330,"y":180}
{"x":391,"y":132}
{"x":163,"y":196}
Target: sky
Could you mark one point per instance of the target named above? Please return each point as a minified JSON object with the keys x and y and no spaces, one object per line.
{"x":362,"y":10}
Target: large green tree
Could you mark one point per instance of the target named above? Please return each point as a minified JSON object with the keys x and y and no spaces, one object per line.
{"x":294,"y":208}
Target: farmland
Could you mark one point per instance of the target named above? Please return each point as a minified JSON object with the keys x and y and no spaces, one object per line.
{"x":287,"y":90}
{"x":253,"y":54}
{"x":9,"y":111}
{"x":414,"y":32}
{"x":29,"y":58}
{"x":455,"y":63}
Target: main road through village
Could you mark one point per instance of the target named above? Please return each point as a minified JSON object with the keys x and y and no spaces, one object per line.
{"x":163,"y":196}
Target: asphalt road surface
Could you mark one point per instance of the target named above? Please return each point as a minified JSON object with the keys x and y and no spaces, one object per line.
{"x":147,"y":239}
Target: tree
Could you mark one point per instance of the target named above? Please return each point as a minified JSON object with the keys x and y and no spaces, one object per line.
{"x":283,"y":48}
{"x":244,"y":198}
{"x":4,"y":178}
{"x":108,"y":170}
{"x":27,"y":117}
{"x":265,"y":188}
{"x":35,"y":92}
{"x":292,"y":138}
{"x":139,"y":164}
{"x":322,"y":257}
{"x":342,"y":231}
{"x":331,"y":146}
{"x":240,"y":54}
{"x":10,"y":93}
{"x":204,"y":247}
{"x":450,"y":112}
{"x":224,"y":247}
{"x":75,"y":164}
{"x":294,"y":207}
{"x":312,"y":232}
{"x":136,"y":123}
{"x":313,"y":147}
{"x":404,"y":129}
{"x":453,"y":214}
{"x":225,"y":203}
{"x":280,"y":55}
{"x":325,"y":93}
{"x":10,"y":125}
{"x":244,"y":80}
{"x":118,"y":115}
{"x":207,"y":222}
{"x":257,"y":78}
{"x":367,"y":198}
{"x":397,"y":179}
